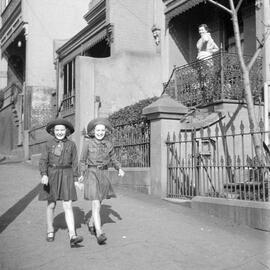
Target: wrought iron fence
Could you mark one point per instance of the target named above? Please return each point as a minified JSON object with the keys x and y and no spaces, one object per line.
{"x":132,"y":144}
{"x":218,"y":162}
{"x":212,"y":79}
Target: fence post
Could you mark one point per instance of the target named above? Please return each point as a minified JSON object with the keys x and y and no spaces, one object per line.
{"x":164,"y":115}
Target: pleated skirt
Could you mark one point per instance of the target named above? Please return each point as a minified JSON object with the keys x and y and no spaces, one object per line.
{"x":97,"y":185}
{"x":61,"y":186}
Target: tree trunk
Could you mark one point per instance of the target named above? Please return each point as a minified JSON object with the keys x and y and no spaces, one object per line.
{"x":248,"y":93}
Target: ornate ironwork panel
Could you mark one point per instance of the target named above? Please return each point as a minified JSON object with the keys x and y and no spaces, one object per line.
{"x":213,"y":79}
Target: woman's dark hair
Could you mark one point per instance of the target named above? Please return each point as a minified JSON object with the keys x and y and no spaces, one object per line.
{"x":205,"y":27}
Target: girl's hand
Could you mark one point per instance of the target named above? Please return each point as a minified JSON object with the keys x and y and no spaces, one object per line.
{"x":80,"y":179}
{"x":79,"y":185}
{"x":121,"y":173}
{"x":44,"y":180}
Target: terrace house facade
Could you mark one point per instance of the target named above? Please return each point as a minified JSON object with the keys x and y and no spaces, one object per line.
{"x":30,"y":33}
{"x":196,"y":87}
{"x":112,"y":62}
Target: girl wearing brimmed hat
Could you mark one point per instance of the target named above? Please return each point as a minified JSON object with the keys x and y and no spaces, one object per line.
{"x":59,"y":170}
{"x":97,"y":153}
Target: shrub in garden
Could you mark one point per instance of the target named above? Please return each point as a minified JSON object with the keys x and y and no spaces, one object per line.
{"x":131,"y":134}
{"x":131,"y":114}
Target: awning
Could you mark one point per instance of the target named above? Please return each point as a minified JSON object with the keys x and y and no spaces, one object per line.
{"x":9,"y":36}
{"x":176,"y":7}
{"x":84,"y":40}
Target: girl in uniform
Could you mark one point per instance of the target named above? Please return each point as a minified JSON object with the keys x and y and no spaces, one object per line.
{"x":97,"y":153}
{"x":59,"y":173}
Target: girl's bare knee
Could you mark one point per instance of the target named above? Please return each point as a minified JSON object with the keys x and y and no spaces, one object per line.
{"x":95,"y":205}
{"x":67,"y":205}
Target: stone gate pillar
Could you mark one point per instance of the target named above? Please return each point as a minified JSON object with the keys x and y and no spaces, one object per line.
{"x":164,"y":115}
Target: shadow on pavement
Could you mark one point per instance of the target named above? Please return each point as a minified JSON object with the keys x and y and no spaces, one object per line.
{"x":10,"y":215}
{"x":60,"y":222}
{"x":105,"y":212}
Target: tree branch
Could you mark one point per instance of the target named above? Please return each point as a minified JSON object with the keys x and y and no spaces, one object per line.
{"x":238,"y":5}
{"x":254,"y":57}
{"x":219,"y":5}
{"x":257,"y":52}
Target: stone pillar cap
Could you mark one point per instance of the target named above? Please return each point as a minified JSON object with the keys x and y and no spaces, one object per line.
{"x":165,"y":104}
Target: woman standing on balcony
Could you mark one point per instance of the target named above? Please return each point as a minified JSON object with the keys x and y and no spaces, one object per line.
{"x":97,"y":153}
{"x":206,"y":45}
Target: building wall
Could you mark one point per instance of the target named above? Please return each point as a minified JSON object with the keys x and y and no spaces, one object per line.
{"x":3,"y":73}
{"x":44,"y":26}
{"x":249,"y":31}
{"x":117,"y":81}
{"x":125,"y":79}
{"x":9,"y":134}
{"x":3,"y":62}
{"x":132,"y":22}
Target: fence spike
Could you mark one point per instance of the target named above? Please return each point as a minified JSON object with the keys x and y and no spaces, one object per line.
{"x":222,"y":160}
{"x":175,"y":154}
{"x":194,"y":133}
{"x":201,"y":131}
{"x":216,"y":130}
{"x":209,"y":131}
{"x":183,"y":162}
{"x":261,"y":125}
{"x":214,"y":160}
{"x":174,"y":137}
{"x":168,"y":137}
{"x":185,"y":135}
{"x":229,"y":160}
{"x":251,"y":127}
{"x":179,"y":135}
{"x":249,"y":161}
{"x":242,"y":127}
{"x":238,"y":161}
{"x":233,"y":129}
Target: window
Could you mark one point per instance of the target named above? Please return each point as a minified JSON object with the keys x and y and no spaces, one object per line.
{"x":69,"y":85}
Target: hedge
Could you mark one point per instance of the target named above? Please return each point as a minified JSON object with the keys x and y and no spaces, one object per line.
{"x":131,"y":114}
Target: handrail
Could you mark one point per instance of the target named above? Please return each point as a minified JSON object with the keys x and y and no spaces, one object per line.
{"x":59,"y":109}
{"x":168,"y":82}
{"x":62,"y":103}
{"x":12,"y":86}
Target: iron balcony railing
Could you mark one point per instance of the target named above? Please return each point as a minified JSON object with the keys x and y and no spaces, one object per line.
{"x":214,"y":79}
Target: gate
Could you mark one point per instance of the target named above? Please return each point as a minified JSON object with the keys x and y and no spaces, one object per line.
{"x":219,"y":162}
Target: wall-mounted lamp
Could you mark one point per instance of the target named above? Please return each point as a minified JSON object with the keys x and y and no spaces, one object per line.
{"x":156,"y":34}
{"x":19,"y":44}
{"x":258,"y":4}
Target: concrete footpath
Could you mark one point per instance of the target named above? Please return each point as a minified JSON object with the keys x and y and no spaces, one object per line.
{"x":144,"y":232}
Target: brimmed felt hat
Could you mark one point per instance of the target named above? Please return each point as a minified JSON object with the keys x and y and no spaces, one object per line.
{"x":50,"y":126}
{"x":98,"y":121}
